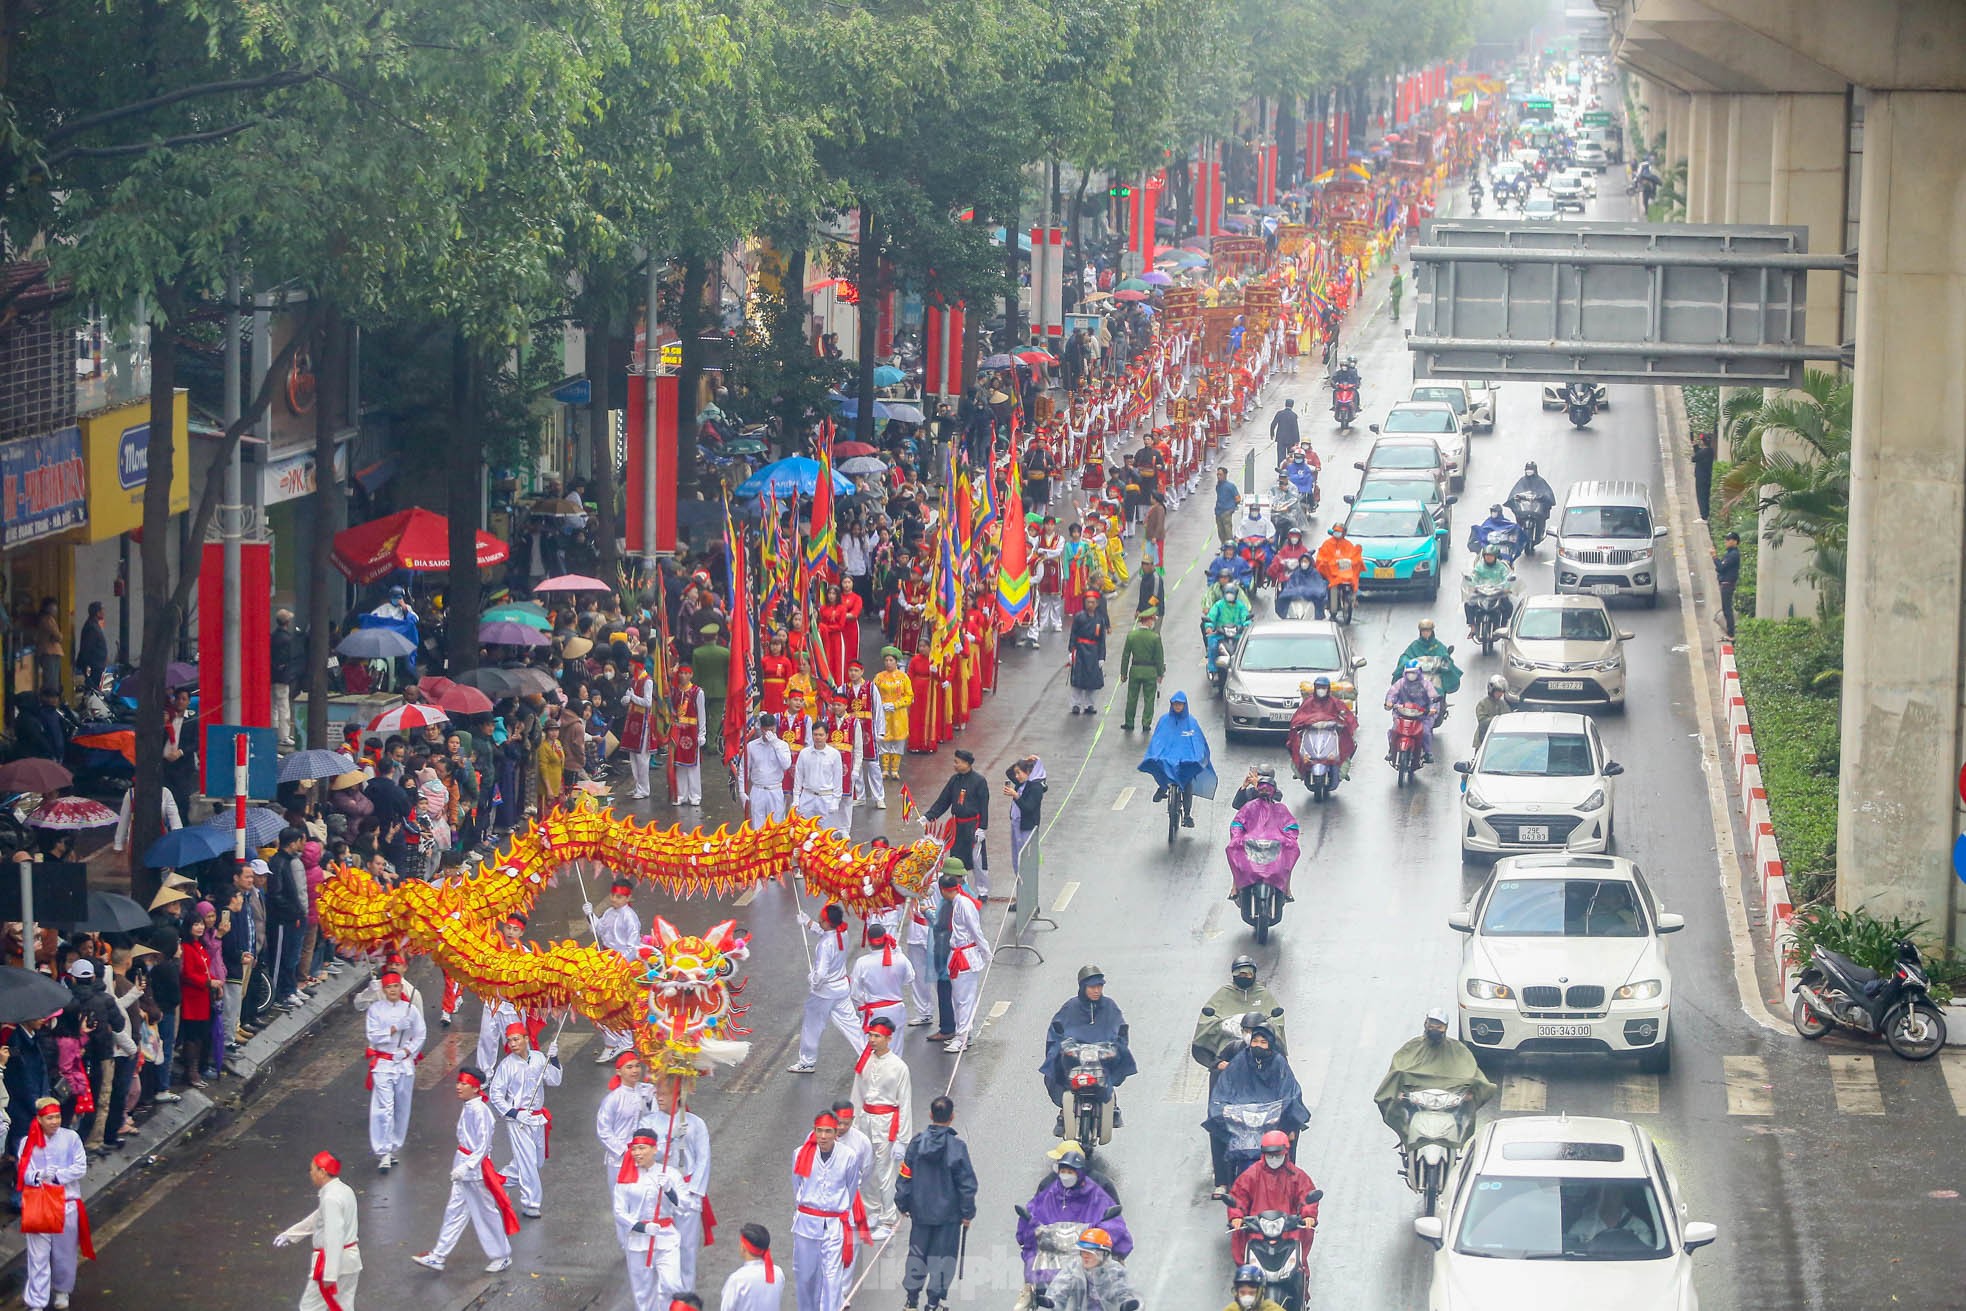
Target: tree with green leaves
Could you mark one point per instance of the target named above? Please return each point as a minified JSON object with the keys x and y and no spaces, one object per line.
{"x":1791,"y":455}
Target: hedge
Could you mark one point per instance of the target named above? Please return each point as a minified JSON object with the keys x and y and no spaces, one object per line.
{"x":1791,"y":678}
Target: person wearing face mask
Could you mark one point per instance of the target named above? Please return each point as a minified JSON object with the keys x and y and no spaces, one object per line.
{"x":1089,"y":1017}
{"x":1274,"y":1183}
{"x":1249,"y":1285}
{"x":1097,"y":1282}
{"x":1049,"y":1226}
{"x":1253,"y":1094}
{"x":1432,"y":1060}
{"x":1218,"y":1029}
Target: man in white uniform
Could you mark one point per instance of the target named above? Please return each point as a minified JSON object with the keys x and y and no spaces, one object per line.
{"x":645,"y":1213}
{"x":817,"y":776}
{"x":518,"y":1093}
{"x":884,"y":1093}
{"x":337,"y":1260}
{"x":395,"y":1033}
{"x":619,"y":929}
{"x":969,"y":955}
{"x":499,"y":1013}
{"x":477,"y":1190}
{"x":921,"y":941}
{"x":764,"y":762}
{"x":826,"y":997}
{"x":879,"y":983}
{"x":684,"y":1141}
{"x":50,"y":1154}
{"x":622,"y":1110}
{"x":638,"y":731}
{"x":755,"y":1285}
{"x":826,"y":1194}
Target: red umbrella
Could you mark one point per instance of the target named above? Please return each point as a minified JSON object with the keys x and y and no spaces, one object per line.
{"x":413,"y":539}
{"x":72,"y":814}
{"x":454,"y":698}
{"x":418,"y":715}
{"x":1036,"y":357}
{"x":1130,"y":295}
{"x":847,"y":450}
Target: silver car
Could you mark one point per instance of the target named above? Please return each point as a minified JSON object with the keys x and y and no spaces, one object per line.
{"x":1276,"y":658}
{"x":1564,"y":650}
{"x":1438,"y":420}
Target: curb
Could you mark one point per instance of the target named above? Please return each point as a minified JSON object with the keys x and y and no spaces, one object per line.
{"x":1764,"y":853}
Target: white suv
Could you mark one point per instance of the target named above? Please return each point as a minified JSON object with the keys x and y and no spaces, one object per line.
{"x":1538,"y":782}
{"x":1604,"y":533}
{"x":1564,"y":957}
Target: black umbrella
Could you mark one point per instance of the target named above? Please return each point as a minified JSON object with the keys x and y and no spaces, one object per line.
{"x":494,"y":683}
{"x":109,"y":912}
{"x":29,"y":995}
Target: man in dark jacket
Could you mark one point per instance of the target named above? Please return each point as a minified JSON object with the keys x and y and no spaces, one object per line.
{"x":28,"y":1075}
{"x":392,"y":808}
{"x":286,"y":915}
{"x":1283,"y":430}
{"x":241,"y":952}
{"x":966,"y":799}
{"x":101,"y":1019}
{"x":937,"y":1192}
{"x":282,"y":671}
{"x":92,"y":646}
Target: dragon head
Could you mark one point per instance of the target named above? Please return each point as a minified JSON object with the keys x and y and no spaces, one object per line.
{"x":692,"y":989}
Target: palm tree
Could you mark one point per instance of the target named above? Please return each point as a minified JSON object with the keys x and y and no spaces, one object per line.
{"x":1791,"y":452}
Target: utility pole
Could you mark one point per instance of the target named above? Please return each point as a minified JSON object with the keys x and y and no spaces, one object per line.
{"x":231,"y":516}
{"x":651,"y":359}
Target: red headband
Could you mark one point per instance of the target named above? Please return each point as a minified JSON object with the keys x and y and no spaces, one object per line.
{"x":511,"y":1029}
{"x":327,"y":1163}
{"x":644,"y":1136}
{"x":762,"y":1253}
{"x":465,"y":1076}
{"x":390,"y":976}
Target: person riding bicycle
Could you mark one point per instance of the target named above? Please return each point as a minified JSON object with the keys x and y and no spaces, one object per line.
{"x":1178,"y":759}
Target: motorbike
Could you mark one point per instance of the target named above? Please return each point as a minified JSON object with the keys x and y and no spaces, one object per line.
{"x":1474,"y":203}
{"x":1262,"y":852}
{"x":1276,"y":1248}
{"x":1058,"y":1245}
{"x":1491,"y":607}
{"x":1409,"y":724}
{"x":1224,"y":652}
{"x":1344,"y":403}
{"x":1438,"y":1124}
{"x":1432,"y":667}
{"x":1508,"y":542}
{"x":1834,"y":990}
{"x":1581,"y":404}
{"x":1257,"y":552}
{"x":1089,"y":1102}
{"x":1315,"y":752}
{"x":1533,"y":514}
{"x":1344,"y":589}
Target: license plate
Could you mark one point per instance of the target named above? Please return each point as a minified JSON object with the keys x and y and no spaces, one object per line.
{"x":1565,"y":684}
{"x":1384,"y":571}
{"x":1604,"y":589}
{"x":1563,"y":1031}
{"x":1533,"y":833}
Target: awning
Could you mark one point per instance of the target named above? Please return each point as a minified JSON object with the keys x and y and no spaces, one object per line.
{"x":377,"y":474}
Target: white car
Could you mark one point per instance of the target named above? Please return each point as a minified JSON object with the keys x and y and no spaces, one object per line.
{"x":1566,"y":191}
{"x":1541,"y":208}
{"x":1473,"y":407}
{"x":1486,"y":397}
{"x":1564,"y":957}
{"x":1539,"y":781}
{"x":1437,"y":420}
{"x":1561,"y":1211}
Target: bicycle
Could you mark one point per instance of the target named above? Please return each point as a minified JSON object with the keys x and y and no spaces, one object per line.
{"x":1179,"y":803}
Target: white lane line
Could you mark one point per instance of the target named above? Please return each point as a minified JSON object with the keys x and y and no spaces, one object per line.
{"x":1636,"y":1094}
{"x":1748,"y":1090}
{"x":1311,"y":1072}
{"x":998,"y":1009}
{"x":1525,"y":1092}
{"x":1953,"y":1066}
{"x":1065,"y":895}
{"x":1854,"y":1081}
{"x":750,"y":895}
{"x":1126,"y":795}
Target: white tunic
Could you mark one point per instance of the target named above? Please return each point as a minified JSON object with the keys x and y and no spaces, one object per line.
{"x":885,"y":1081}
{"x":829,"y":1189}
{"x":621,"y":1110}
{"x":816,"y":780}
{"x":764,"y":764}
{"x":872,"y":982}
{"x":332,"y":1227}
{"x":642,"y":1199}
{"x":688,"y":1155}
{"x":746,"y":1289}
{"x":966,"y":936}
{"x":520,"y":1084}
{"x":60,"y":1160}
{"x":619,"y":929}
{"x":828,"y":975}
{"x":396,"y":1029}
{"x":476,"y":1126}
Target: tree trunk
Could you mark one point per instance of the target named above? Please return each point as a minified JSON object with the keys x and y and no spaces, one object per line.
{"x":1076,"y":287}
{"x":600,"y":431}
{"x":791,"y":331}
{"x":160,"y":617}
{"x":689,"y":380}
{"x":1290,"y":141}
{"x":328,"y":502}
{"x":467,"y":474}
{"x":867,"y":316}
{"x":1182,"y":182}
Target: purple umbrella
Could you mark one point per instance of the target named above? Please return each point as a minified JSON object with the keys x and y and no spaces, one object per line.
{"x":507,"y":633}
{"x":180,"y":674}
{"x":1156,"y":277}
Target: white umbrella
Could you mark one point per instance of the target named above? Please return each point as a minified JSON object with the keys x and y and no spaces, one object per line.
{"x":860,"y":464}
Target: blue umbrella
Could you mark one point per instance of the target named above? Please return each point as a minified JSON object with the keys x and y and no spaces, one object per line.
{"x":187,"y":846}
{"x":886,"y":375}
{"x":850,"y":409}
{"x":797,"y":474}
{"x":315,"y":763}
{"x":262,"y":826}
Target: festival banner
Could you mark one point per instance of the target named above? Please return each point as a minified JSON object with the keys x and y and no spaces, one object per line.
{"x":1013,"y":564}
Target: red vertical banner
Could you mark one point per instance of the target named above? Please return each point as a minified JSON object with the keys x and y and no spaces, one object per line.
{"x":1217,"y":202}
{"x":255,"y":630}
{"x":657,"y":467}
{"x":884,"y":330}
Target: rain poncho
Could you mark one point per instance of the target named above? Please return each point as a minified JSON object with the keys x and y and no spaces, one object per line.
{"x":1447,"y":1064}
{"x":1082,"y":1020}
{"x":1427,"y":649}
{"x":1101,"y":1288}
{"x":1049,"y":1234}
{"x":1177,"y":755}
{"x":1252,"y":1097}
{"x":1218,"y":1036}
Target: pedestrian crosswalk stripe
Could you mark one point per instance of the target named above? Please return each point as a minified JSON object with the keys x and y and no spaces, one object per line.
{"x":1524,"y":1092}
{"x":750,"y":895}
{"x":1636,"y":1094}
{"x":1748,"y":1089}
{"x":1126,"y":795}
{"x":1065,"y":895}
{"x":1854,"y":1081}
{"x":1953,"y":1066}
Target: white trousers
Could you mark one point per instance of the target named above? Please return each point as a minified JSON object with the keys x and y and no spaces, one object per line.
{"x":528,"y":1143}
{"x":389,"y":1105}
{"x":344,"y":1292}
{"x":283,"y":713}
{"x":1051,"y":614}
{"x":690,"y":1227}
{"x":818,"y":1278}
{"x":471,"y":1201}
{"x":765,"y":803}
{"x":654,"y":1278}
{"x":963,"y":991}
{"x":821,"y":1007}
{"x":840,"y":818}
{"x":867,"y":783}
{"x":689,"y":785}
{"x":51,"y":1261}
{"x":921,"y":992}
{"x":879,"y":1184}
{"x":1082,"y":698}
{"x":638,"y":768}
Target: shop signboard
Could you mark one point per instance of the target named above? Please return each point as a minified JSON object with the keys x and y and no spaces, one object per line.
{"x":116,"y":451}
{"x":293,"y":475}
{"x":44,"y":487}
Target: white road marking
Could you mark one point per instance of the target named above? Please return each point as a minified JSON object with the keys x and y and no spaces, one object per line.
{"x":1126,"y":795}
{"x":1854,"y":1081}
{"x":998,"y":1009}
{"x":1636,"y":1094}
{"x":1525,"y":1092}
{"x":1065,"y":895}
{"x":1748,"y":1089}
{"x":750,"y":895}
{"x":1953,"y":1066}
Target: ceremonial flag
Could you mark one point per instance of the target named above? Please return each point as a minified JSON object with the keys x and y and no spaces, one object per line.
{"x":1013,"y":564}
{"x":737,"y":703}
{"x":945,"y":595}
{"x":822,"y":545}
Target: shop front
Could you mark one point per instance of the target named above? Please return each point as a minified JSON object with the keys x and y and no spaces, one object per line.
{"x":43,"y":497}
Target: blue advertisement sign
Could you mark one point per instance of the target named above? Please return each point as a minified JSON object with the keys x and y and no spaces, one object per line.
{"x":133,"y":457}
{"x":44,"y":486}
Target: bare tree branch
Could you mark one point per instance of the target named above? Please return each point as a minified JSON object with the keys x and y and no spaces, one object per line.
{"x":145,"y":147}
{"x":89,"y":122}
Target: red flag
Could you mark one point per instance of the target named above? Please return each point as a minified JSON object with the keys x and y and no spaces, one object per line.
{"x":738,"y":692}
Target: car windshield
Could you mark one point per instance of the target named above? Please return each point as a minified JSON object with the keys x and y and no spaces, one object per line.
{"x":1428,"y":420}
{"x":1540,"y":205}
{"x":1549,"y":623}
{"x":1607,"y":521}
{"x":1404,"y":455}
{"x":1453,"y":396}
{"x":1537,"y":755}
{"x":1425,"y":490}
{"x":1389,"y":523}
{"x":1563,"y":908}
{"x":1289,"y":653}
{"x":1517,"y":1219}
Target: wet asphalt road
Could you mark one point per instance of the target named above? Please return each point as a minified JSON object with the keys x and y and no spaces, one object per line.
{"x":1362,"y":953}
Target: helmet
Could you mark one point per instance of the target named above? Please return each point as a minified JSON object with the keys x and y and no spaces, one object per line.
{"x":1323,"y":684}
{"x":1248,"y":1275}
{"x":1497,"y":683}
{"x":1242,"y":962}
{"x":1267,"y":771}
{"x":1070,"y":1159}
{"x":1530,"y":468}
{"x":1426,"y":625}
{"x":1276,"y":1140}
{"x":1337,"y":530}
{"x":1489,"y":548}
{"x":1096,"y":1240}
{"x":1495,"y":509}
{"x":1089,"y":973}
{"x":1412,"y":666}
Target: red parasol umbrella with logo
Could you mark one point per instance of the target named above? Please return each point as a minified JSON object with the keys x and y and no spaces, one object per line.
{"x":415,"y":539}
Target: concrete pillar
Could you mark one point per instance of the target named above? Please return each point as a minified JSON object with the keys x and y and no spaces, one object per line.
{"x":1679,"y":132}
{"x":1897,"y":814}
{"x":1806,"y":161}
{"x":1750,"y":138}
{"x":1714,"y":191}
{"x":1699,"y":112}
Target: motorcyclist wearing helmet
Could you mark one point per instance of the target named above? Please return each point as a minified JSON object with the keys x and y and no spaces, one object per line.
{"x":1496,"y":702}
{"x":1432,"y":1060}
{"x":1248,"y":1291}
{"x":1288,"y":554}
{"x":1091,"y":1016}
{"x":1302,"y":589}
{"x":1068,"y":1200}
{"x":1534,"y":484}
{"x":1253,"y":1094}
{"x":1437,"y":658}
{"x":1497,"y":522}
{"x":1321,"y":706}
{"x":1414,"y":688}
{"x":1097,"y":1282}
{"x":1273,"y":1183}
{"x":1340,"y":559}
{"x":1347,"y":371}
{"x":1489,"y":571}
{"x":1228,"y":567}
{"x":1219,"y":1028}
{"x":1232,"y":611}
